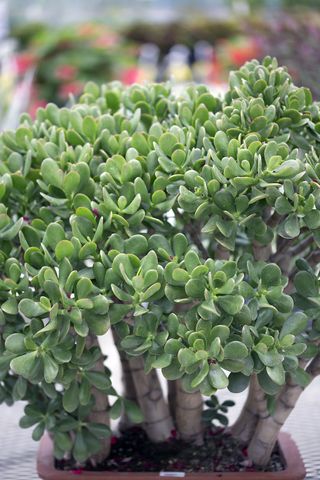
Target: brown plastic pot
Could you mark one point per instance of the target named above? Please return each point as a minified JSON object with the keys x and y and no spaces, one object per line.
{"x":294,"y":468}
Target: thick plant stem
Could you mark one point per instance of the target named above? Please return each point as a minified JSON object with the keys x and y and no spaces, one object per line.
{"x":261,"y":252}
{"x":172,"y":398}
{"x":99,"y":413}
{"x":129,"y":391}
{"x":221,"y":253}
{"x":266,"y":433}
{"x":157,"y":419}
{"x":264,"y":439}
{"x":245,"y":425}
{"x":189,"y":408}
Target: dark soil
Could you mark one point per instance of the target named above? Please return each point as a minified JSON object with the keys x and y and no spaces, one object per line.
{"x":133,"y":452}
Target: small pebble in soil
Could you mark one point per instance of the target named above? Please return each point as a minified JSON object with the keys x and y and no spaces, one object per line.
{"x":133,"y":452}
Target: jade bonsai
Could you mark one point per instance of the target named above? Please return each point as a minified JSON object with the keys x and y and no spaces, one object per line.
{"x":187,"y":225}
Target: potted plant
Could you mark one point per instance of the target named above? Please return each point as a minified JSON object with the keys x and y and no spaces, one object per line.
{"x":189,"y":227}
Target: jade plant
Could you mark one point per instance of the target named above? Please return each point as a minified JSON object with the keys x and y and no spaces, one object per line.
{"x":188,"y":226}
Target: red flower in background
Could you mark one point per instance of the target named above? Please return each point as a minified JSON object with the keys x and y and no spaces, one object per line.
{"x":105,"y":40}
{"x":24,"y":61}
{"x":239,"y":54}
{"x":129,"y":75}
{"x":35,"y":101}
{"x":66,"y":72}
{"x":217,"y":73}
{"x":34,"y":105}
{"x":74,"y":88}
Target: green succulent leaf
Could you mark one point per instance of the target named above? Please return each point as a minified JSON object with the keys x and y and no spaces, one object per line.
{"x":235,"y":350}
{"x":24,"y":364}
{"x":70,"y":399}
{"x":217,"y":377}
{"x":231,"y":304}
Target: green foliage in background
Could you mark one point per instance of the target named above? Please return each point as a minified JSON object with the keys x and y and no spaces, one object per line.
{"x":65,"y":58}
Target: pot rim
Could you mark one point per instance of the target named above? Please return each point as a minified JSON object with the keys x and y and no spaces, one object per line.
{"x":294,"y":470}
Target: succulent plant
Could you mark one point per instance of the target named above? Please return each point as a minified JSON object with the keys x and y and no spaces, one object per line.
{"x":186,"y":224}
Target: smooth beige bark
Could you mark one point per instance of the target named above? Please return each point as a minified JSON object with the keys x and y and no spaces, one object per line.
{"x":146,"y":391}
{"x":253,"y":408}
{"x":261,"y":252}
{"x":129,"y":391}
{"x":221,"y":253}
{"x":188,"y":416}
{"x":157,"y":419}
{"x":266,"y":433}
{"x":99,"y":413}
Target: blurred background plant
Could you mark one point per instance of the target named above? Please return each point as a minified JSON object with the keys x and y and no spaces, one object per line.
{"x":68,"y":57}
{"x":150,"y":40}
{"x":295,"y":40}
